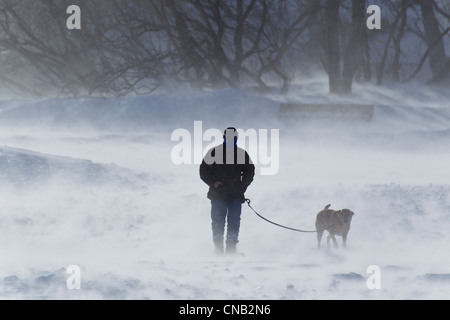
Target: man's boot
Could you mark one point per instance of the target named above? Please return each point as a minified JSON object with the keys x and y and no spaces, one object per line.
{"x":231,"y":247}
{"x":218,"y":248}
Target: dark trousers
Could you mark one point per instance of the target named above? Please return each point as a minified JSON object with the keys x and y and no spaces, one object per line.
{"x":229,"y":212}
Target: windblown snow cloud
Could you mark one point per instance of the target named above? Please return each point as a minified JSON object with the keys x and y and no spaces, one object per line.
{"x":92,"y":184}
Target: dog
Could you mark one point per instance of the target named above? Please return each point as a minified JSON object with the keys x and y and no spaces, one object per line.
{"x":337,"y":223}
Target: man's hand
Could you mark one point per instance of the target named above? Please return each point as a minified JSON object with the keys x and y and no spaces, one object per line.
{"x":217,"y":184}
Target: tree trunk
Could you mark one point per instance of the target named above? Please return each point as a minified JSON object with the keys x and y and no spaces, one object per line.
{"x":332,"y":38}
{"x":315,"y":41}
{"x":437,"y":57}
{"x":397,"y":42}
{"x":354,"y":51}
{"x":188,"y":46}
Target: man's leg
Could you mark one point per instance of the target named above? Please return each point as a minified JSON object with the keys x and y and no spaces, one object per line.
{"x":234,"y":223}
{"x":218,"y":215}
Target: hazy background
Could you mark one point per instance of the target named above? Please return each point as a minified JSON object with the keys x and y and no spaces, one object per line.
{"x":136,"y":47}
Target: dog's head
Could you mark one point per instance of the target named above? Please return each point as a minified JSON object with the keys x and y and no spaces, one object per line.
{"x":345,"y":215}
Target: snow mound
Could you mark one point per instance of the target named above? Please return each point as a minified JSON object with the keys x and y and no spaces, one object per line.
{"x":22,"y":167}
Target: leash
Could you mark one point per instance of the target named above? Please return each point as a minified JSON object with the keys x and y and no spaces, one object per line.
{"x":280,"y":225}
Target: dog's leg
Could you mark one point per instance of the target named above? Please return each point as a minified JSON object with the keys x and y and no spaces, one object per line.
{"x":334,"y":240}
{"x":319,"y":238}
{"x":344,"y":240}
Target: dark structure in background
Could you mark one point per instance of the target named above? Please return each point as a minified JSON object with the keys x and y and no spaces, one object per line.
{"x":136,"y":47}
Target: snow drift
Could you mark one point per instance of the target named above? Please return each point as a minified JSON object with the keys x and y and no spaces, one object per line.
{"x":24,"y":167}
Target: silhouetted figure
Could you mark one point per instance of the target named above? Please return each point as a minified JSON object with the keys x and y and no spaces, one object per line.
{"x":228,"y":171}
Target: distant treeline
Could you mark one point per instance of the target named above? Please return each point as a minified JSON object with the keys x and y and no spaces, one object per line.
{"x":139,"y":46}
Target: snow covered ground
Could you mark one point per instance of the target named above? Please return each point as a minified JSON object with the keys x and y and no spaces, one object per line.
{"x":91,"y":183}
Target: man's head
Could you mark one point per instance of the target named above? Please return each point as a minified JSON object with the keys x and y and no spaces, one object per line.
{"x":230,"y":135}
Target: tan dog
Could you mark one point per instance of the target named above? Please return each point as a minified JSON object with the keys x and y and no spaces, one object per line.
{"x":337,"y":223}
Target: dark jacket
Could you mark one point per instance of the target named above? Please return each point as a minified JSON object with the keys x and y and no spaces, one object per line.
{"x":232,"y":167}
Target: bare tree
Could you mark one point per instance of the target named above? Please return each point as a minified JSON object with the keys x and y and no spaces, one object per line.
{"x":111,"y":55}
{"x":333,"y":63}
{"x":433,"y":37}
{"x":137,"y":47}
{"x":228,"y":43}
{"x":354,"y":50}
{"x":341,"y":71}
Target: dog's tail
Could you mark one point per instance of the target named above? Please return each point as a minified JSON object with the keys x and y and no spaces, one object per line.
{"x":327,"y":206}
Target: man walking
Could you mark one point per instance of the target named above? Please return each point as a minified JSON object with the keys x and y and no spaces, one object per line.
{"x":228,"y":171}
